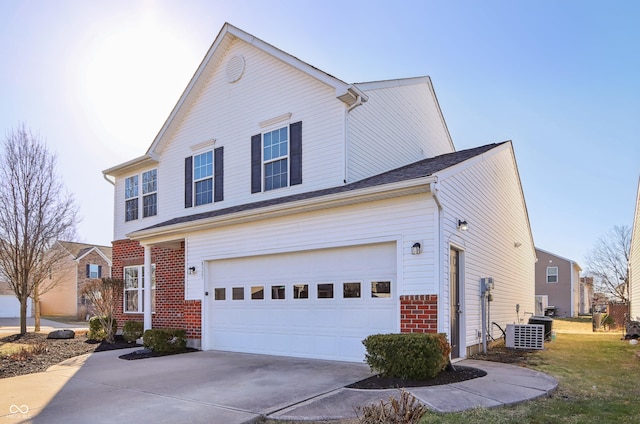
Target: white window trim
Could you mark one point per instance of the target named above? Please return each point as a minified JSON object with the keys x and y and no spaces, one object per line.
{"x":149,"y":193}
{"x":279,"y":158}
{"x":211,"y":177}
{"x":139,"y":289}
{"x":555,"y":275}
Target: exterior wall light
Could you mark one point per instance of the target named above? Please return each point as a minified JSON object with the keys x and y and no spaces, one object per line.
{"x":416,"y":248}
{"x":192,"y":270}
{"x":462,"y":225}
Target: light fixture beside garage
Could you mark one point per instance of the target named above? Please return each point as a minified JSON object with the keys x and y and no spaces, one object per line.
{"x":192,"y":270}
{"x":462,"y":225}
{"x":416,"y":249}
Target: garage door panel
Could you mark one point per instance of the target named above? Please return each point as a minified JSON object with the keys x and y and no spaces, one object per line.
{"x":331,"y":328}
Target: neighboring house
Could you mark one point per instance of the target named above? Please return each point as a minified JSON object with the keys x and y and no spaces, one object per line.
{"x":586,"y":295}
{"x":557,"y":285}
{"x":9,"y":303}
{"x":84,"y":262}
{"x":283,"y":211}
{"x":634,"y":262}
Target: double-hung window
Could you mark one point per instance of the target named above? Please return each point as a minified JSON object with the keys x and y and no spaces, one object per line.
{"x":131,"y":198}
{"x":150,"y":193}
{"x":276,"y":158}
{"x":552,"y":274}
{"x":134,"y":289}
{"x":275,"y":145}
{"x":203,"y":178}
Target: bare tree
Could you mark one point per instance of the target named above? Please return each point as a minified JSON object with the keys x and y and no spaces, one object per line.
{"x":608,"y":261}
{"x":35,"y":211}
{"x":103,"y":294}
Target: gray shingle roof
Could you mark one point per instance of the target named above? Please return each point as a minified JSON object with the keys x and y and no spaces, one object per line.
{"x":422,"y":168}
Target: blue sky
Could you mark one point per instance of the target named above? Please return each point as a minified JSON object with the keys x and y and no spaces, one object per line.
{"x":558,"y":78}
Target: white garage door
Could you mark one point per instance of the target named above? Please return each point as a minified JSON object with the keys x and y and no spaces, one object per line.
{"x":312,"y":304}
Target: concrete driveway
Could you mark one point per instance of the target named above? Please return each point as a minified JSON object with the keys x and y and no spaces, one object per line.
{"x":199,"y":387}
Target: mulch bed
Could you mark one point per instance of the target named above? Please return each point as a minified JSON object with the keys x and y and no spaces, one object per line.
{"x":51,"y":352}
{"x":448,"y":376}
{"x":147,"y":353}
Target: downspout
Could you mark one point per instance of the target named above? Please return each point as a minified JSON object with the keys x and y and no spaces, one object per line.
{"x":438,"y":256}
{"x":357,"y":103}
{"x":572,"y":289}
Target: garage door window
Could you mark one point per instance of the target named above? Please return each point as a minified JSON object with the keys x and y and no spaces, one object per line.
{"x":381,"y":289}
{"x":220,"y":294}
{"x":301,"y":291}
{"x":257,"y":292}
{"x":350,"y":290}
{"x":237,"y":293}
{"x":278,"y":292}
{"x":325,"y":291}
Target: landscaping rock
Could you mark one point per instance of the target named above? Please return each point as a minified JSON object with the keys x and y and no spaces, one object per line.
{"x":61,"y":334}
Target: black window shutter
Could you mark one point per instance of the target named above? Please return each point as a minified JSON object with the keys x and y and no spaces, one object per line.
{"x":256,"y":163}
{"x":218,"y":180}
{"x":188,"y":182}
{"x":295,"y":132}
{"x":99,"y":271}
{"x":88,"y":270}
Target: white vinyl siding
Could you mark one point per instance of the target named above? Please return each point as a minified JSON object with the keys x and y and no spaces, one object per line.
{"x":267,"y":89}
{"x":407,"y":221}
{"x":485,"y":191}
{"x":398,"y":125}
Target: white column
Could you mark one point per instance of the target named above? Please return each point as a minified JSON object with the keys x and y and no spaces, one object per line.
{"x":147,"y":287}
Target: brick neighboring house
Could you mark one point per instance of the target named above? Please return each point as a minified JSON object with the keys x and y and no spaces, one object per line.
{"x":283,"y":211}
{"x":557,"y":285}
{"x":84,"y":262}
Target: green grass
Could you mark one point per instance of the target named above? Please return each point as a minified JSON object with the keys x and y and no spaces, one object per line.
{"x":598,"y":382}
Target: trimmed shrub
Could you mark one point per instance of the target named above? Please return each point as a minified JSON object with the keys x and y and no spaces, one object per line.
{"x":97,"y":330}
{"x":410,"y":356}
{"x":165,"y":340}
{"x":132,"y":330}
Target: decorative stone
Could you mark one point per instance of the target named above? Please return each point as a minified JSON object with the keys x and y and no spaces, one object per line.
{"x":61,"y":334}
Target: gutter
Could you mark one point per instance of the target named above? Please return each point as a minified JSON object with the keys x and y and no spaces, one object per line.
{"x":438,"y":257}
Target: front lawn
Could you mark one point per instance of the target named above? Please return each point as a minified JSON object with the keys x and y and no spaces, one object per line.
{"x":598,"y":378}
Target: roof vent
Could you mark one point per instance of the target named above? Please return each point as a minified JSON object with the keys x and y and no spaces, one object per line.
{"x":235,"y":68}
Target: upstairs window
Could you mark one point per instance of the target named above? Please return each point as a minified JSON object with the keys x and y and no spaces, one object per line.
{"x":552,"y":274}
{"x":276,"y":158}
{"x":149,"y":193}
{"x":131,"y":198}
{"x":203,"y":178}
{"x":94,"y":271}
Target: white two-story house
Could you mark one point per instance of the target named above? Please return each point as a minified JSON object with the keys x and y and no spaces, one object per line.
{"x":283,"y":211}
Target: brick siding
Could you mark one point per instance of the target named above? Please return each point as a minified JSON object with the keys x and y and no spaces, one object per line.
{"x":419,"y":313}
{"x":172,"y":310}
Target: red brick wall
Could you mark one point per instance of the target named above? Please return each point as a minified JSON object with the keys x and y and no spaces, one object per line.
{"x":419,"y":313}
{"x":172,"y":310}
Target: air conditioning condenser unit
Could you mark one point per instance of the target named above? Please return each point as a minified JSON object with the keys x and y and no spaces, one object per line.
{"x":525,"y":336}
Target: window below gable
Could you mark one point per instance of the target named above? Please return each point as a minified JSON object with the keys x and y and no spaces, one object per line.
{"x":203,"y":178}
{"x":276,"y":158}
{"x":552,"y":274}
